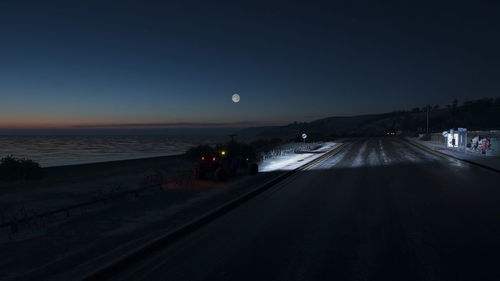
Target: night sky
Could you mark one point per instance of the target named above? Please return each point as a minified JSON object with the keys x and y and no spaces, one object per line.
{"x":86,"y":64}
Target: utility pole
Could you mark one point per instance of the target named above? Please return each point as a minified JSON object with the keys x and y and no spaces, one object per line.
{"x":428,"y":119}
{"x":232,"y":136}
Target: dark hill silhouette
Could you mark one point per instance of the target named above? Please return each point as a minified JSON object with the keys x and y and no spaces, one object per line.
{"x":481,"y":114}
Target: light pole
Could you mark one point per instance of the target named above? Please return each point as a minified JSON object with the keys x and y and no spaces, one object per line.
{"x":428,"y":119}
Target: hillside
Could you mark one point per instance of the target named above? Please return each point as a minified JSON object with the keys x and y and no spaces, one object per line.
{"x":482,"y":114}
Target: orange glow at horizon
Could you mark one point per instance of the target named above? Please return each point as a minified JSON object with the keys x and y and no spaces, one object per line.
{"x":49,"y":123}
{"x":65,"y":123}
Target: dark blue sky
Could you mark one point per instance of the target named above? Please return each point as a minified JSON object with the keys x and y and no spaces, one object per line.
{"x":86,"y":63}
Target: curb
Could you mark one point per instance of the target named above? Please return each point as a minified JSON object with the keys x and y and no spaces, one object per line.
{"x":444,"y":155}
{"x":127,"y":260}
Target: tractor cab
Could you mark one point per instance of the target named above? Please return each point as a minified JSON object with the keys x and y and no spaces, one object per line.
{"x":226,"y":161}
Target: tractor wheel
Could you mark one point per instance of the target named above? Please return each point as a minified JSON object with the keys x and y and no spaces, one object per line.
{"x":220,"y":174}
{"x":198,"y":172}
{"x":253,"y":169}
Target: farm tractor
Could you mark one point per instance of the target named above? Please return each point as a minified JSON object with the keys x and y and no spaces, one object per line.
{"x":226,"y":161}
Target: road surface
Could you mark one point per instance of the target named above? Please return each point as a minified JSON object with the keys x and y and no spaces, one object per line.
{"x":379,"y":210}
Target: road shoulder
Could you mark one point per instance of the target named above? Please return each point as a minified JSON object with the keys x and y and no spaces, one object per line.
{"x":488,"y":162}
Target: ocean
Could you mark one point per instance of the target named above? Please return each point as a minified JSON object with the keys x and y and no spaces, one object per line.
{"x":52,"y":151}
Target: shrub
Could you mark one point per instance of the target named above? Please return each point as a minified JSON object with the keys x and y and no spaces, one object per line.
{"x":197,"y":151}
{"x":264,"y":145}
{"x":239,"y":150}
{"x":12,"y":168}
{"x":232,"y":148}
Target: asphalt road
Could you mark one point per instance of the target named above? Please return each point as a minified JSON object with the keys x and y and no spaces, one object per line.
{"x":379,"y":210}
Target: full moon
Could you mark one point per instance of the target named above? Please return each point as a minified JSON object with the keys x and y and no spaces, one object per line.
{"x":235,"y":98}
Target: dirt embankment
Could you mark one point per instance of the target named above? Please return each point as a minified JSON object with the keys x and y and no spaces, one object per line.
{"x":69,"y":185}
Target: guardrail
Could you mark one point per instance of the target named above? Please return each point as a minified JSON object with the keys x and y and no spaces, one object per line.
{"x":156,"y":180}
